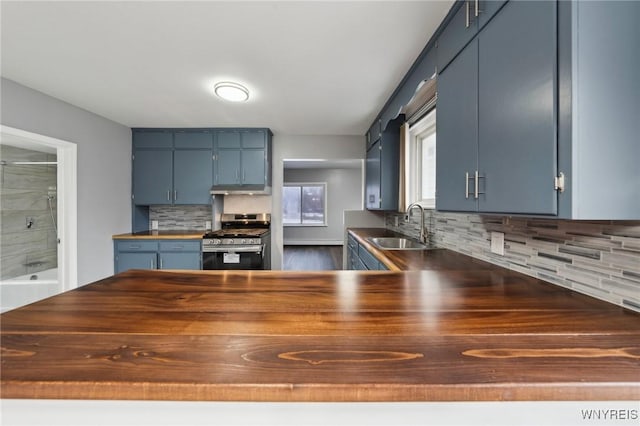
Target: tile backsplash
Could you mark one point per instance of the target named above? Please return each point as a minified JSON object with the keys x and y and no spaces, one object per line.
{"x":180,"y":217}
{"x":598,"y":258}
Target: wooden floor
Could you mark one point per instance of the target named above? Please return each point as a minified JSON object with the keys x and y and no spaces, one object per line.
{"x":312,"y":258}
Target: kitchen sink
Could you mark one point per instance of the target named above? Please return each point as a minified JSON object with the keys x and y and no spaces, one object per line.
{"x":397,"y":243}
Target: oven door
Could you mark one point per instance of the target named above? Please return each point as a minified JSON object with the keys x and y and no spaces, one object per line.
{"x":237,"y":257}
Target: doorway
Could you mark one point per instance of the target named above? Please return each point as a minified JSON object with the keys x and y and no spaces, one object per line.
{"x":39,"y":217}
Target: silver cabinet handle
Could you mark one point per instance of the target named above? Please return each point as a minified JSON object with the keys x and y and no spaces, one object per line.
{"x":477,"y":8}
{"x":475,"y":194}
{"x":175,"y":194}
{"x":152,"y":265}
{"x":466,"y":185}
{"x":161,"y":263}
{"x":244,"y":175}
{"x":466,"y":17}
{"x":136,"y":246}
{"x":168,"y":195}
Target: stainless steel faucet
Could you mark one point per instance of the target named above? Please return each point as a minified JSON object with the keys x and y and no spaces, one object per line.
{"x":424,"y":233}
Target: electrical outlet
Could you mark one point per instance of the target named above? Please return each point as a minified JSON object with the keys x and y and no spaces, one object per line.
{"x":207,"y":225}
{"x":497,"y":243}
{"x":396,"y":221}
{"x":154,"y":225}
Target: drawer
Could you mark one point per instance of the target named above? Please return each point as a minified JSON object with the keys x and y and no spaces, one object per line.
{"x":180,"y":245}
{"x":351,"y":242}
{"x":368,"y":259}
{"x":136,"y":245}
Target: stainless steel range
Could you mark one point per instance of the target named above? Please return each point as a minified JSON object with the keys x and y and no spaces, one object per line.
{"x":243,"y":242}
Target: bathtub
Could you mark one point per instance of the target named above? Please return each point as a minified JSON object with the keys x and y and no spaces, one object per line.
{"x":25,"y":289}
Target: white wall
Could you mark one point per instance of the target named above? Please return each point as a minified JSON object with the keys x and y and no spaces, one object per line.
{"x":104,"y":169}
{"x":344,"y":192}
{"x":286,"y":147}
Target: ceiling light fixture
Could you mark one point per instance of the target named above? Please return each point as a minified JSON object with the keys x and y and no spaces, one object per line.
{"x":230,"y":91}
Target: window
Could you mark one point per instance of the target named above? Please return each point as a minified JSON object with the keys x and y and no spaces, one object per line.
{"x":422,"y":169}
{"x":304,"y":204}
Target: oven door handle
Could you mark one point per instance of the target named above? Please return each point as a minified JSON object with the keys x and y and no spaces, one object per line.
{"x":235,"y":249}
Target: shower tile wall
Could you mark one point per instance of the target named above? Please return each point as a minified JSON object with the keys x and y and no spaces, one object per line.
{"x":23,"y":193}
{"x":180,"y":217}
{"x":598,"y":258}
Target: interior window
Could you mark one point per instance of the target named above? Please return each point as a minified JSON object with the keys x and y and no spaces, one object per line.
{"x":304,"y":204}
{"x":422,"y":169}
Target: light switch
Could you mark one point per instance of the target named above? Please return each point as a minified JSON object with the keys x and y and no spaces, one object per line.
{"x":497,"y":243}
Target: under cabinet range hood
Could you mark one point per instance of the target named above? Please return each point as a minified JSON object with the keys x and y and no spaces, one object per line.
{"x":240,"y":190}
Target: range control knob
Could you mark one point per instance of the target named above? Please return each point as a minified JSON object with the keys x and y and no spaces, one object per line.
{"x":243,"y":241}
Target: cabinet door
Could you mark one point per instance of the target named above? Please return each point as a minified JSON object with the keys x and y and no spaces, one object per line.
{"x":228,"y":167}
{"x":457,"y":132}
{"x":142,"y":260}
{"x":180,"y":260}
{"x":253,"y":139}
{"x":462,"y":27}
{"x":488,"y":8}
{"x":253,"y":167}
{"x":192,"y":176}
{"x":228,"y":139}
{"x":152,"y":177}
{"x":372,"y":183}
{"x":193,"y":139}
{"x":152,"y":139}
{"x":517,"y":110}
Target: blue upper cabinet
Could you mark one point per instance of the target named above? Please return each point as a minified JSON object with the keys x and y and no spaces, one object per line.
{"x":172,"y":167}
{"x":152,"y":176}
{"x":228,"y":167}
{"x":517,"y":114}
{"x":382,"y":171}
{"x":497,"y":101}
{"x":151,"y":138}
{"x":458,"y":32}
{"x":457,"y":133}
{"x":192,"y":176}
{"x":193,"y":139}
{"x":599,"y":109}
{"x":243,"y":159}
{"x":471,"y":17}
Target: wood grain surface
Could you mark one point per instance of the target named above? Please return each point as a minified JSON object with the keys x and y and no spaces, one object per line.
{"x":161,"y":235}
{"x":474,"y":332}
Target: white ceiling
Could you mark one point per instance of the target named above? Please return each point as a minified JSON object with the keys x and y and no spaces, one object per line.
{"x":313,"y":67}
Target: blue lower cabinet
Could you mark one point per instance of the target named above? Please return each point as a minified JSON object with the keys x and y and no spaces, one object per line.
{"x":135,"y":260}
{"x":180,"y":261}
{"x":157,"y":254}
{"x":180,"y":254}
{"x":360,"y":259}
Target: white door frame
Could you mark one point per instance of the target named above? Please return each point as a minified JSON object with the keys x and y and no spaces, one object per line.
{"x":67,"y":203}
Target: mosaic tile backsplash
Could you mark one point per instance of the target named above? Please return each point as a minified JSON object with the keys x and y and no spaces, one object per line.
{"x":598,"y":258}
{"x":180,"y":217}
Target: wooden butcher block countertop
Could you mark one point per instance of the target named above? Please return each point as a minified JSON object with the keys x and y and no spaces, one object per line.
{"x":162,"y":235}
{"x":475,"y":332}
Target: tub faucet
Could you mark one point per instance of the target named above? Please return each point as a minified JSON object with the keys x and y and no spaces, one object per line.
{"x":424,"y":233}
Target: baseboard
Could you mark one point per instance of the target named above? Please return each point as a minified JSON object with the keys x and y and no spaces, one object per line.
{"x":313,"y":242}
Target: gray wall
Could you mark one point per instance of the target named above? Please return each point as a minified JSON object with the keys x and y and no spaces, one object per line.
{"x":104,"y":169}
{"x":23,"y":193}
{"x":598,"y":258}
{"x":308,"y":147}
{"x":344,"y":187}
